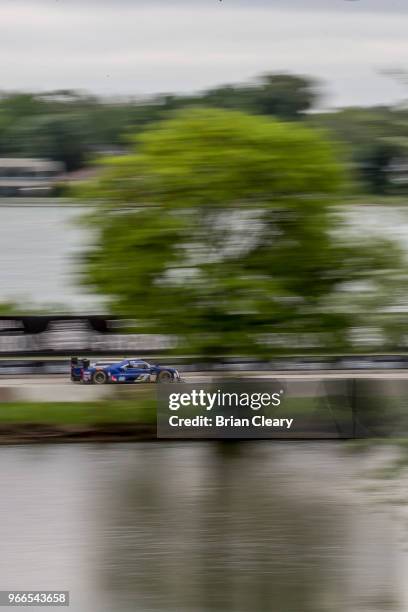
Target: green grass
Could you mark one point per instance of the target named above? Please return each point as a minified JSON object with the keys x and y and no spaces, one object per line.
{"x":86,"y":413}
{"x":384,"y":416}
{"x":141,"y":408}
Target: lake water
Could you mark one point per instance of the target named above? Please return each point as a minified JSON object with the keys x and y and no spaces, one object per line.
{"x":40,"y":243}
{"x":200,"y":527}
{"x":38,"y":250}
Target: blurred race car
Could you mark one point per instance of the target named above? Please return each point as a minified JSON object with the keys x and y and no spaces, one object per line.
{"x":124,"y":371}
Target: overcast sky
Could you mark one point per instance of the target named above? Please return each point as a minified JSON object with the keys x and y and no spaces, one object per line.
{"x":145,"y":46}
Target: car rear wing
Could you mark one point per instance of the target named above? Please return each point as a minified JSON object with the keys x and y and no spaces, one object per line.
{"x":79,"y":362}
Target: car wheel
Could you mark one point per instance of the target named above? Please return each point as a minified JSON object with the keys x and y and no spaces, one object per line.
{"x":99,"y":378}
{"x":164,"y":377}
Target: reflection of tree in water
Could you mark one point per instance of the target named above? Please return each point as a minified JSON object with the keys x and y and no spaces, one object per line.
{"x":201,"y":528}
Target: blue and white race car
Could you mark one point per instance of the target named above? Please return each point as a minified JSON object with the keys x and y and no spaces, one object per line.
{"x":124,"y":371}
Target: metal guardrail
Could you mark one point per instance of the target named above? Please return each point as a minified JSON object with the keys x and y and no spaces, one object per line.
{"x":71,"y":334}
{"x":34,"y":343}
{"x":35,"y":324}
{"x":51,"y":366}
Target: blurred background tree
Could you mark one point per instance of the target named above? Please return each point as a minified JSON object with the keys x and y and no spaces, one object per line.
{"x":376,"y":141}
{"x":75,"y":127}
{"x":61,"y":138}
{"x":284,"y":96}
{"x":221,"y":225}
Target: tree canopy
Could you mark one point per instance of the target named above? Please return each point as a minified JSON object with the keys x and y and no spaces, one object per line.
{"x":219,"y":228}
{"x":71,"y":126}
{"x":76,"y":127}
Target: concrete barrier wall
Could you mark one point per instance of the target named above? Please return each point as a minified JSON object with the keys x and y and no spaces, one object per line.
{"x":64,"y":392}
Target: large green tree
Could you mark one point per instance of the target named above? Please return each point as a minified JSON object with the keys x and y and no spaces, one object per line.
{"x":220,"y":228}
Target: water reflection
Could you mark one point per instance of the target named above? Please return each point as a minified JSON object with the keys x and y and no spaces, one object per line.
{"x":200,"y":527}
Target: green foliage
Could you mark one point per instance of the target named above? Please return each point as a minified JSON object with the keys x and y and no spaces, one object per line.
{"x":75,"y":128}
{"x":58,"y":137}
{"x":220,"y":228}
{"x":7,"y":308}
{"x":63,"y":126}
{"x":141,"y":409}
{"x":377,"y":139}
{"x":70,"y":127}
{"x":284,"y":96}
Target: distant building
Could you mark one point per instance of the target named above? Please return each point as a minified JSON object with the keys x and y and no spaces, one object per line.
{"x":28,"y":176}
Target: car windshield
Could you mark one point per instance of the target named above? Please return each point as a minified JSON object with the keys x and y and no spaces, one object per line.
{"x":142,"y":365}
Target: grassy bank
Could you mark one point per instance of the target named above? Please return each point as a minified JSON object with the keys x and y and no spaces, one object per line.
{"x":134,"y":418}
{"x":78,"y":413}
{"x":113,"y":421}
